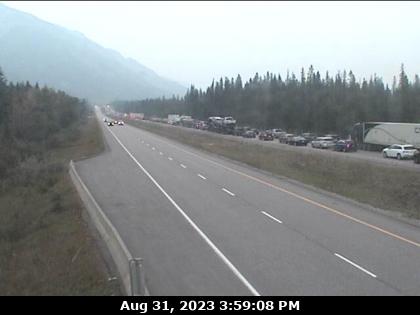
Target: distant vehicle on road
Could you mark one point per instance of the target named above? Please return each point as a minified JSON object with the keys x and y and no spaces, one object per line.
{"x":110,"y":123}
{"x":345,"y":146}
{"x":297,"y":141}
{"x":120,"y":123}
{"x":251,"y":133}
{"x":323,"y":143}
{"x":285,"y":137}
{"x":377,"y":135}
{"x":399,"y":151}
{"x":105,"y":120}
{"x":309,"y":136}
{"x":277,"y":132}
{"x":266,"y":135}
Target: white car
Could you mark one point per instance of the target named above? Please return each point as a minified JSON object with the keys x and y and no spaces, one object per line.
{"x":323,"y":142}
{"x":399,"y":151}
{"x":120,"y":123}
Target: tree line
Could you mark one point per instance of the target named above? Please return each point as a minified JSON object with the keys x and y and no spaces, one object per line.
{"x":308,"y":103}
{"x":32,"y":120}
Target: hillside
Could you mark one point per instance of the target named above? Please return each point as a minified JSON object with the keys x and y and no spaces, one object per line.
{"x":38,"y":51}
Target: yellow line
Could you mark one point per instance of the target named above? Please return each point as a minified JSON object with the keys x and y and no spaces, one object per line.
{"x":303,"y":198}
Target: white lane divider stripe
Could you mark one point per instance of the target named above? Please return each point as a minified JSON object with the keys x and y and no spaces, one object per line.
{"x":355,"y":265}
{"x":160,"y":153}
{"x":271,"y":217}
{"x":201,"y":176}
{"x":183,"y":166}
{"x":153,"y":148}
{"x":228,"y":192}
{"x":170,"y":159}
{"x":191,"y":222}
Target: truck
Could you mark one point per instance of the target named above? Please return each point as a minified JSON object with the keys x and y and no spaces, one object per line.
{"x":173,"y":119}
{"x":224,"y":125}
{"x":375,"y":136}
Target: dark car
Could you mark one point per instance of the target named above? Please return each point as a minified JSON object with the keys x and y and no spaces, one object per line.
{"x":416,"y":156}
{"x":297,"y":141}
{"x":266,"y":136}
{"x":110,"y":123}
{"x":309,"y":136}
{"x":345,"y":146}
{"x":249,"y":134}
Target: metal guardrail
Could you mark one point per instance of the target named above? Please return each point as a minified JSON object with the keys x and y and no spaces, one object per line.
{"x":130,"y":269}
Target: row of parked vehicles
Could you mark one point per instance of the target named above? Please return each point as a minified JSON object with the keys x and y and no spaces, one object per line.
{"x":227,"y":125}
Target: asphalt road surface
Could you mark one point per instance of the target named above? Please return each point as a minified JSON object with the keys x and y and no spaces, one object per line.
{"x":208,"y":226}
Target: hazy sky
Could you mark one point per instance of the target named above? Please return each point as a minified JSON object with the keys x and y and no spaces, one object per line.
{"x":194,"y":42}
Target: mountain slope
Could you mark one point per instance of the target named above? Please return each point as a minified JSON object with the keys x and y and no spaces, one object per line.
{"x":38,"y":51}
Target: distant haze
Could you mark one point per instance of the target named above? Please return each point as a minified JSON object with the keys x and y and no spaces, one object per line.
{"x":194,"y":42}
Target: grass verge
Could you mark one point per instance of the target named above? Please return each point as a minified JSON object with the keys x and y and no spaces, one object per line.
{"x":380,"y":186}
{"x":46,"y":247}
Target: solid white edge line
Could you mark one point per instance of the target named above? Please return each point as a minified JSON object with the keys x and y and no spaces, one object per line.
{"x":355,"y":265}
{"x":271,"y":217}
{"x":201,"y":176}
{"x":228,"y":192}
{"x":191,"y":222}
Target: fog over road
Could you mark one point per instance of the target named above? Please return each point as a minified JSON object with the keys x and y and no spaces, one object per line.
{"x":208,"y":226}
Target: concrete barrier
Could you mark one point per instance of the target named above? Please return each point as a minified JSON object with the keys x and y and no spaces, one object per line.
{"x":130,"y":269}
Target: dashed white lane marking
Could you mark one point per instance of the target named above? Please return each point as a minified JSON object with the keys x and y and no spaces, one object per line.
{"x":355,"y":265}
{"x":153,"y":148}
{"x":160,"y":153}
{"x":191,"y":222}
{"x":183,"y":166}
{"x":170,"y":159}
{"x":271,"y":217}
{"x":228,"y":192}
{"x":201,"y":176}
{"x":147,"y":144}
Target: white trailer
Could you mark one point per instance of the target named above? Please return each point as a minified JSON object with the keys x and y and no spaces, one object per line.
{"x":174,"y":119}
{"x":376,"y":135}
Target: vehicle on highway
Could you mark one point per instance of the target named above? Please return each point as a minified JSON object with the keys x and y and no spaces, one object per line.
{"x":277,"y":132}
{"x":285,"y":137}
{"x":120,"y":123}
{"x":297,"y":141}
{"x":251,"y":133}
{"x":416,"y":156}
{"x":110,"y":123}
{"x":377,"y":135}
{"x":309,"y":136}
{"x":266,"y":135}
{"x":323,"y":143}
{"x":345,"y":146}
{"x":399,"y":151}
{"x":105,"y":120}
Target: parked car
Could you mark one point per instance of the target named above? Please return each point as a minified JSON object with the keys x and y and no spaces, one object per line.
{"x":323,"y":143}
{"x":297,"y":141}
{"x":334,"y":136}
{"x":266,"y":136}
{"x":399,"y":151}
{"x":416,"y":156}
{"x":345,"y":146}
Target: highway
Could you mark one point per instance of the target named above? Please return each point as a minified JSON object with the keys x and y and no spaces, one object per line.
{"x":205,"y":225}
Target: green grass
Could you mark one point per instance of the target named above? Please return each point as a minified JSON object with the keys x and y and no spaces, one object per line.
{"x":381,"y":186}
{"x":46,"y":247}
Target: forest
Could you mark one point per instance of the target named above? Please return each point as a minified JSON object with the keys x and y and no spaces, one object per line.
{"x":31,"y":119}
{"x":308,"y":103}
